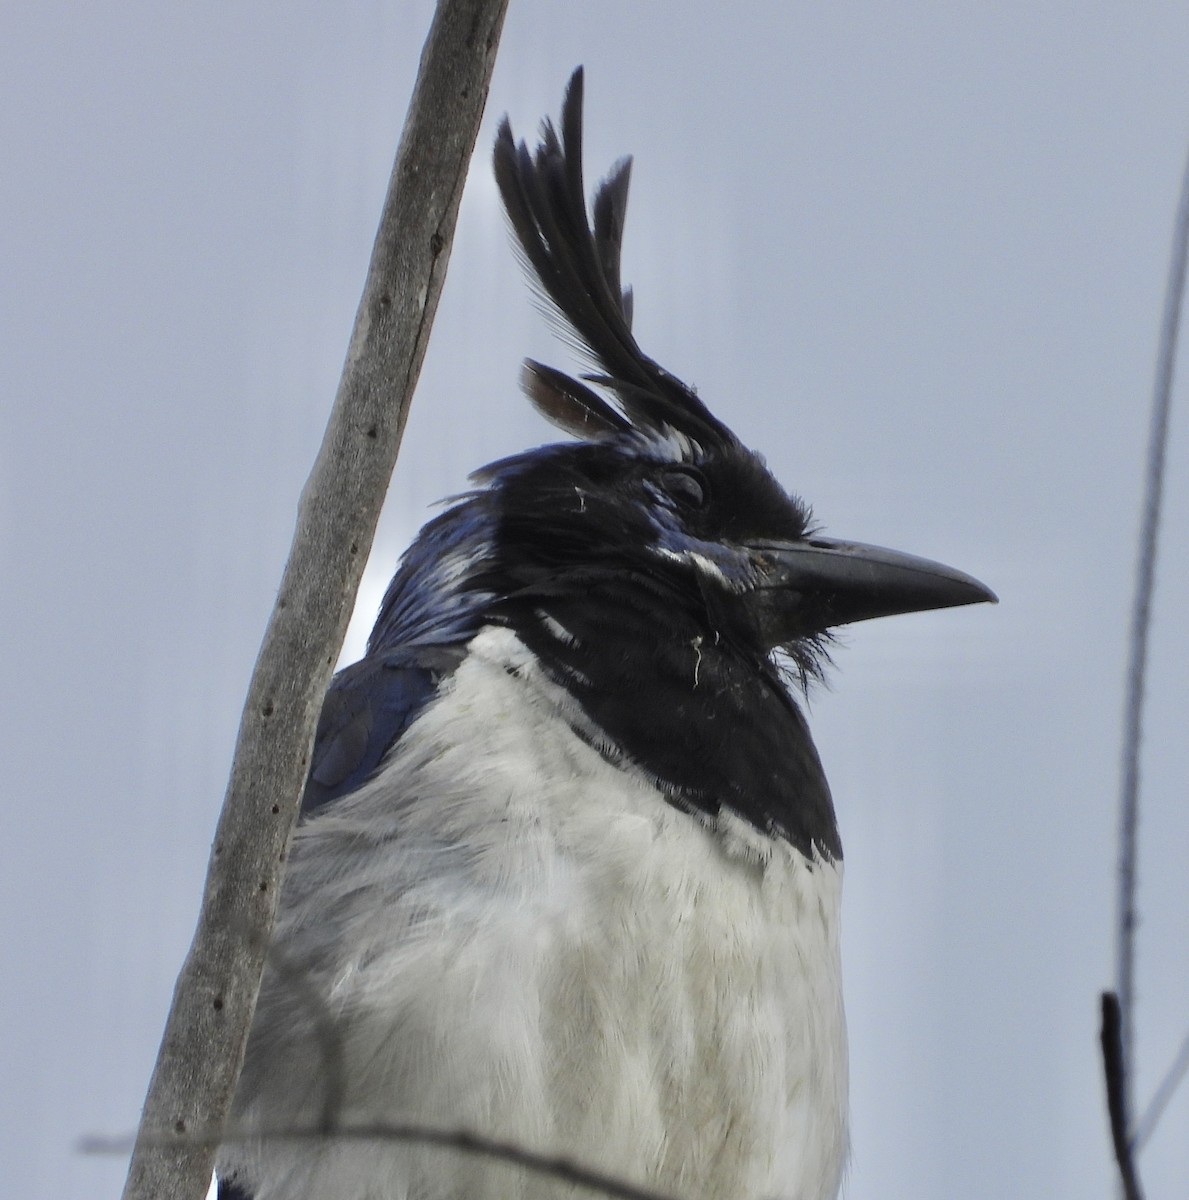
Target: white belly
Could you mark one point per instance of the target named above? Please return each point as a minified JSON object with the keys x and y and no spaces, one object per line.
{"x":516,"y":938}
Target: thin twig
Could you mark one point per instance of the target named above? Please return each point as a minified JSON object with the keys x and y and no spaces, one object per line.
{"x":1163,"y":1094}
{"x":1115,"y":1071}
{"x":461,"y":1140}
{"x":327,"y":1036}
{"x":1138,"y":650}
{"x":215,"y":996}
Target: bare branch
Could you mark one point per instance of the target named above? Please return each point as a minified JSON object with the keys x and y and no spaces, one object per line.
{"x":327,"y":1036}
{"x":459,"y":1140}
{"x":1140,"y":622}
{"x":215,"y":996}
{"x":1163,"y":1094}
{"x":1114,"y":1068}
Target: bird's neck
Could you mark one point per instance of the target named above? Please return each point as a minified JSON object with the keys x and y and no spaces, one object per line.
{"x":712,"y":722}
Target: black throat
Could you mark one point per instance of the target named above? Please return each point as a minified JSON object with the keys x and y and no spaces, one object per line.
{"x":714,"y":725}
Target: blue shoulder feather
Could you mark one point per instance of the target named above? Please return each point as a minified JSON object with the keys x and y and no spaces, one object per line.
{"x":428,"y":616}
{"x":367,"y":707}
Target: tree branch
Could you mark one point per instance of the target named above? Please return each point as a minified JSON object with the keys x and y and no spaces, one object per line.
{"x":1115,"y":1069}
{"x":215,"y":996}
{"x":1141,"y":617}
{"x":460,"y":1141}
{"x":1145,"y":1126}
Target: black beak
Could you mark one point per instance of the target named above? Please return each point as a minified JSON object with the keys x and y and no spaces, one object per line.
{"x":811,"y":586}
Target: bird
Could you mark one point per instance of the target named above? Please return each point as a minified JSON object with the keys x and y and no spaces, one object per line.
{"x":568,"y":871}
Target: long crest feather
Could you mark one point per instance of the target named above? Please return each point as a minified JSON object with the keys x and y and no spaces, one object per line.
{"x":569,"y":404}
{"x":577,"y":267}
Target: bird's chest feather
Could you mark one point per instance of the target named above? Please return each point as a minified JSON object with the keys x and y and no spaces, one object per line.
{"x":525,"y":941}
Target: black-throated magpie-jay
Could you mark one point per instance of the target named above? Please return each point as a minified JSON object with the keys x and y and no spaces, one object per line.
{"x":568,"y":874}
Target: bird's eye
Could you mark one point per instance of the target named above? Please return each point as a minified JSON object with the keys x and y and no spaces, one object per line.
{"x":688,"y":487}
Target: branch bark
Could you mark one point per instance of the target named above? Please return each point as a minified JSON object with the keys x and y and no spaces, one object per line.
{"x":215,"y":995}
{"x":1114,"y":1069}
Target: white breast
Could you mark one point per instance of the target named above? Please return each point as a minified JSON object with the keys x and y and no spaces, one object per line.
{"x":515,"y":937}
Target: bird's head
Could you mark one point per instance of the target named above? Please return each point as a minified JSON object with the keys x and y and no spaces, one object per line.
{"x":653,"y":566}
{"x":657,"y":491}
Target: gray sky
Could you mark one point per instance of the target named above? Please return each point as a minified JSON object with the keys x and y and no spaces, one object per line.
{"x":913,"y":252}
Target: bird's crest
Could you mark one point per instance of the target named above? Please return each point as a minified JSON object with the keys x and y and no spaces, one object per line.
{"x":576,"y":264}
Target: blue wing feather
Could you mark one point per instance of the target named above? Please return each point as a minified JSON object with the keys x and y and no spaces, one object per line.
{"x":427,"y":617}
{"x":367,"y":707}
